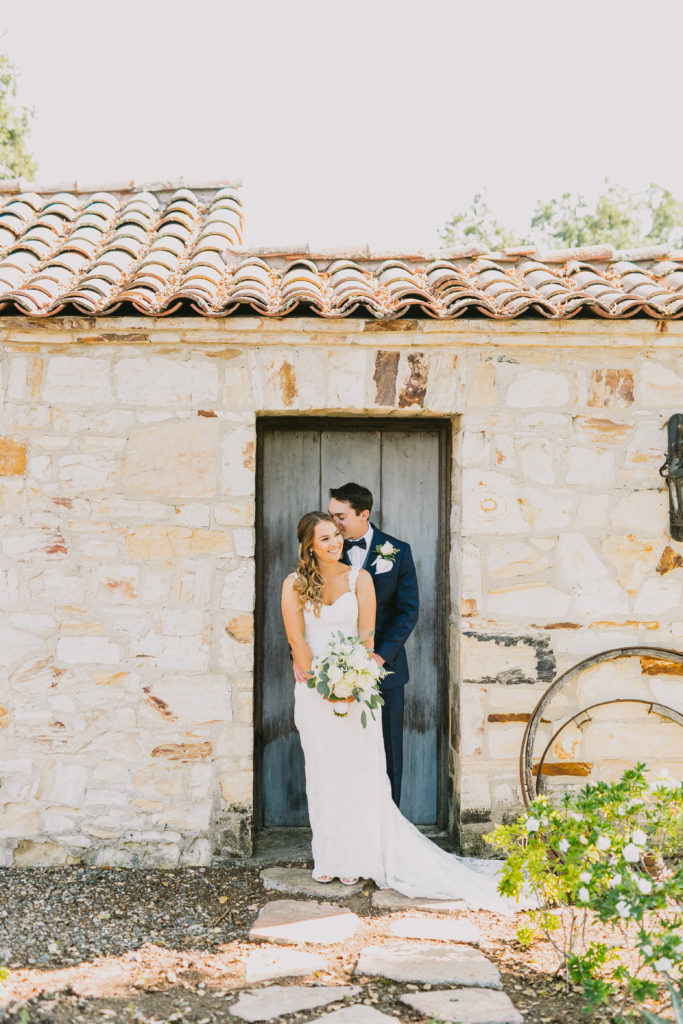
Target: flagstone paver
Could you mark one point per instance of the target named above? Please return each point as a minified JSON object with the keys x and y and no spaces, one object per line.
{"x":358,"y":1014}
{"x":434,"y":928}
{"x":293,"y":921}
{"x":266,"y":964}
{"x":475,"y":1006}
{"x":389,"y":899}
{"x":429,"y":963}
{"x":275,"y":1001}
{"x":298,"y":880}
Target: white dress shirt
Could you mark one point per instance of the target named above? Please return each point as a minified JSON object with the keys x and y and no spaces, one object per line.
{"x":357,"y":555}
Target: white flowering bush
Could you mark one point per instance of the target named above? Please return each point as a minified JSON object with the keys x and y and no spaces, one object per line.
{"x":612,"y":851}
{"x":344,"y":672}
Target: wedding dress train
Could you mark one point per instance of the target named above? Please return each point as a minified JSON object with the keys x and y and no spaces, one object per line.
{"x":357,"y":828}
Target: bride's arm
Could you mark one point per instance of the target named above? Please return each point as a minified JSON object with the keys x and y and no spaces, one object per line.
{"x":367,"y":607}
{"x":293,"y":618}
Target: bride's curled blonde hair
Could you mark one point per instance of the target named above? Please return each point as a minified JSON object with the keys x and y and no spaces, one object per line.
{"x":309,"y":581}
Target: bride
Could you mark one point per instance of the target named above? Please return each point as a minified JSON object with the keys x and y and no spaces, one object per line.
{"x":357,"y":828}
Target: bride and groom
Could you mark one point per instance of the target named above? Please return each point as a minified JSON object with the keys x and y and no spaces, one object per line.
{"x":354,"y":579}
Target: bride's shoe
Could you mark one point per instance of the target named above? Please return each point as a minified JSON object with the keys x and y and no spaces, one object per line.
{"x":348,"y":881}
{"x":323,"y":879}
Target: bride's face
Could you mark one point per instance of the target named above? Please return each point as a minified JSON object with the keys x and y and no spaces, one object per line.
{"x":327,"y":542}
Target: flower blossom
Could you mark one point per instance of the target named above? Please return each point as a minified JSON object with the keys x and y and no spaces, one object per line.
{"x":647,"y":949}
{"x":585,"y":876}
{"x":583,"y":894}
{"x":623,"y":908}
{"x":615,"y":880}
{"x":664,"y":964}
{"x":563,"y":845}
{"x":631,"y":853}
{"x":644,"y":886}
{"x":603,"y":843}
{"x":639,"y":837}
{"x":532,"y":824}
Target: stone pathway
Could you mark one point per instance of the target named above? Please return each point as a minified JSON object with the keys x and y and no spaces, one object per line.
{"x":436,"y":951}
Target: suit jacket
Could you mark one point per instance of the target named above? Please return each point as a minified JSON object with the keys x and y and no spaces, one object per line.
{"x":397,"y":606}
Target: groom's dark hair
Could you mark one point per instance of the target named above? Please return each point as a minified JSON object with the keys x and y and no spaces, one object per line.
{"x":355,"y":495}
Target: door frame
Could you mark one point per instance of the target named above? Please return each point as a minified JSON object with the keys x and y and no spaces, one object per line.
{"x":362,"y":421}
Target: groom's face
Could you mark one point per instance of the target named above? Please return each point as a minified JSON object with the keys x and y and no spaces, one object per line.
{"x":352,"y":525}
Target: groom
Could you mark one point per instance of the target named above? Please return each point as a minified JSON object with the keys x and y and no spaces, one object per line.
{"x":390,"y":563}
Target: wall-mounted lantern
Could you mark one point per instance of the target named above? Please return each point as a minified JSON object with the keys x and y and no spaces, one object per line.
{"x":673,"y":471}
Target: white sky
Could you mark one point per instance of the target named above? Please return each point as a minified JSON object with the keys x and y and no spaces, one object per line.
{"x":356,"y":121}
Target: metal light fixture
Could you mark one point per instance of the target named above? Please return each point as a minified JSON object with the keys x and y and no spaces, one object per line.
{"x":673,"y":471}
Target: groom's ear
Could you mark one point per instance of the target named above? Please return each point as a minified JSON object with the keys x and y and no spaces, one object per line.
{"x":365,"y":515}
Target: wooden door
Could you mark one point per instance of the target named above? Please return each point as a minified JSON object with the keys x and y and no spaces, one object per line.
{"x":404,"y":463}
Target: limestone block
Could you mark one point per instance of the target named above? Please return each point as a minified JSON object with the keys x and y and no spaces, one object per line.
{"x":593,"y":512}
{"x":651,"y":738}
{"x":449,"y":378}
{"x":238,"y":588}
{"x":189,"y":700}
{"x":264,"y":964}
{"x":611,"y":389}
{"x":472,"y":721}
{"x":244,"y":541}
{"x":510,"y":559}
{"x":612,"y":680}
{"x":86,"y":473}
{"x":643,"y":513}
{"x":188,"y":817}
{"x":535,"y":601}
{"x":192,"y":515}
{"x":475,"y":795}
{"x":114,"y":857}
{"x":471,"y":594}
{"x":239,"y":463}
{"x":577,"y":562}
{"x":234,"y":513}
{"x":505,"y":740}
{"x":482,"y":392}
{"x":537,"y":461}
{"x":660,"y":387}
{"x":87,"y":650}
{"x":9,"y":587}
{"x":117,"y":507}
{"x":590,"y":467}
{"x":237,"y":788}
{"x":169,"y":542}
{"x":475,"y":448}
{"x":37,"y":545}
{"x":236,"y":656}
{"x":168,"y":382}
{"x":158,"y":855}
{"x":163,"y":780}
{"x":16,"y":645}
{"x":538,"y":389}
{"x":176,"y":644}
{"x":12,"y":457}
{"x":29,"y":854}
{"x":173,"y":460}
{"x":77,"y":380}
{"x":477,"y":1006}
{"x":602,"y":431}
{"x":598,"y":598}
{"x":54,"y":821}
{"x":347,"y":374}
{"x":63,"y":783}
{"x":633,"y":558}
{"x":659,"y":597}
{"x":644,"y":454}
{"x":547,"y":509}
{"x":19,"y":820}
{"x":490,"y":504}
{"x":237,"y":392}
{"x":198,"y":855}
{"x":489,"y":660}
{"x":290,"y":922}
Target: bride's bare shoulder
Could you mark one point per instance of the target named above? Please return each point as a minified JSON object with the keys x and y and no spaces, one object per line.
{"x":288,"y":583}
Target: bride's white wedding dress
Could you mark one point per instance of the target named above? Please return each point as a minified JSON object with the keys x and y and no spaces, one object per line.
{"x":357,"y":828}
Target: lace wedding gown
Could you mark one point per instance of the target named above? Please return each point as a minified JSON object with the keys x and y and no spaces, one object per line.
{"x":357,"y":828}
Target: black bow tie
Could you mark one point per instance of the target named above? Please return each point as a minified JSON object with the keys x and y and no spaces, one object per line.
{"x":356,"y":543}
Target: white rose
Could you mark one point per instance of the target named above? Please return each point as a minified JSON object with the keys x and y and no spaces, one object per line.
{"x":603,"y":843}
{"x":663,"y":964}
{"x":532,"y":824}
{"x":374,"y":669}
{"x":583,"y":894}
{"x":585,"y":876}
{"x":344,"y":688}
{"x":639,"y":837}
{"x":615,"y":880}
{"x":334,"y":674}
{"x":631,"y":853}
{"x":386,"y":549}
{"x":644,"y":885}
{"x":563,"y":845}
{"x":623,"y":908}
{"x":647,"y":949}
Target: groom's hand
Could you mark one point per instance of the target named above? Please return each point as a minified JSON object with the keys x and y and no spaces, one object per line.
{"x":378,"y":658}
{"x":299,"y":674}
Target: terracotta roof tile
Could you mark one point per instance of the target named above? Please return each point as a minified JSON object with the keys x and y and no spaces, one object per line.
{"x":162,"y":248}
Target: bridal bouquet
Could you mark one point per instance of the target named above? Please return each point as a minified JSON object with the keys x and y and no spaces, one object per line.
{"x":345,"y":672}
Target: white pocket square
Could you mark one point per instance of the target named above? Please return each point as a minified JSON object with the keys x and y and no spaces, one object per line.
{"x":382,"y":565}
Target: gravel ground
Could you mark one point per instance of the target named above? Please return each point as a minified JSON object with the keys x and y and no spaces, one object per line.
{"x":83,"y":945}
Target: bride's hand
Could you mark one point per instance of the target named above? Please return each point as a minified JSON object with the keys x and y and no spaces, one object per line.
{"x":299,"y":674}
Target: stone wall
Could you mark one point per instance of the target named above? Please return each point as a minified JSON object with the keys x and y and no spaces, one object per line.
{"x":127,"y":486}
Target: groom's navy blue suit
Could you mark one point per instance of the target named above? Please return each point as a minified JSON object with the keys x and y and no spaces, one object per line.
{"x":397,"y":613}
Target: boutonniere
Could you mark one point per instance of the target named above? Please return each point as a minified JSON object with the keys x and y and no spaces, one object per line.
{"x":386,"y":556}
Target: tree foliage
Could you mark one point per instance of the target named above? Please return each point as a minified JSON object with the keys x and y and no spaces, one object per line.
{"x":15,"y":158}
{"x":619,"y":217}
